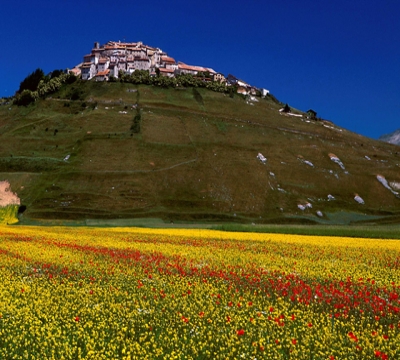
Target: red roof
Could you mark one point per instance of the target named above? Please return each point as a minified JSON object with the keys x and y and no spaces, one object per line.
{"x":184,"y":66}
{"x":168,"y":59}
{"x":166,"y":70}
{"x":75,"y":71}
{"x":190,"y":67}
{"x":103,"y":73}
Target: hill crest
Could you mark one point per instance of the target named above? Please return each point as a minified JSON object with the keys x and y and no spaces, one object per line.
{"x":194,"y":157}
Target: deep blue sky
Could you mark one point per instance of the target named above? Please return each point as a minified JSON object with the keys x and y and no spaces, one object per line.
{"x":340,"y":58}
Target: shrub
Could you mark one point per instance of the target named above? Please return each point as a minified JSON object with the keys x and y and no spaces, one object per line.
{"x":27,"y":97}
{"x":135,"y":128}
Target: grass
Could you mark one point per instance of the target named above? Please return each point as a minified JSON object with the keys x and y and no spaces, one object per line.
{"x":360,"y":231}
{"x":193,"y":160}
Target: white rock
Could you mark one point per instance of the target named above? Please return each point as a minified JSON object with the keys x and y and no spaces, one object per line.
{"x":384,"y":182}
{"x":336,"y":160}
{"x":330,"y":197}
{"x":262,"y":158}
{"x":319,"y":213}
{"x":359,"y":199}
{"x":395,"y":185}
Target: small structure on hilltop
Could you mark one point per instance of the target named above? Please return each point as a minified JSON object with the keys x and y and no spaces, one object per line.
{"x":311,"y":114}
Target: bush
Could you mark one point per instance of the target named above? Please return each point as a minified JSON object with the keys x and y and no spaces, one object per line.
{"x":197,"y":96}
{"x":135,"y":128}
{"x":54,"y":84}
{"x":27,"y":97}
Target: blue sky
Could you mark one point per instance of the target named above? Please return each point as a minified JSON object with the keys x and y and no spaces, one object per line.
{"x":340,"y":58}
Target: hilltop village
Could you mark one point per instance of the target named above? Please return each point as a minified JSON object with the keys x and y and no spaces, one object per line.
{"x":115,"y":58}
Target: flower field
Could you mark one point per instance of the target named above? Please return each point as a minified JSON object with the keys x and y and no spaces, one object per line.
{"x":85,"y":293}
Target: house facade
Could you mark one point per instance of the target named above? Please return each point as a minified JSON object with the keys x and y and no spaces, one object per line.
{"x":103,"y":75}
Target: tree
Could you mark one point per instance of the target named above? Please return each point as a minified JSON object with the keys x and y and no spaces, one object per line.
{"x":286,"y":109}
{"x":32,"y":81}
{"x":56,"y":73}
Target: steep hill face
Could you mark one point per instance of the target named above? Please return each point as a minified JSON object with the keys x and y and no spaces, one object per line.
{"x":130,"y":151}
{"x":392,"y":138}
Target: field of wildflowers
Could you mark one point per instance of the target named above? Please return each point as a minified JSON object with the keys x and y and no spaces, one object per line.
{"x":85,"y":293}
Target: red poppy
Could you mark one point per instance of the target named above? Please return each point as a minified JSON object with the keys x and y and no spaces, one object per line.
{"x":352,"y":336}
{"x":294,"y":341}
{"x":77,"y":318}
{"x":240,"y":332}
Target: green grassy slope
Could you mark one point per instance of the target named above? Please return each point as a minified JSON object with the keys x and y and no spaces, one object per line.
{"x":194,"y":159}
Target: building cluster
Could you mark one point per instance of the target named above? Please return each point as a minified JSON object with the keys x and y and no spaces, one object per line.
{"x":110,"y":59}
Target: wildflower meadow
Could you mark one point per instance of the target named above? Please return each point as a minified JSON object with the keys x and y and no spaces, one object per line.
{"x":89,"y":293}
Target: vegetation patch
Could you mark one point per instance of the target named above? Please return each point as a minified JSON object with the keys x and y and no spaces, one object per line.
{"x":9,"y":214}
{"x":196,"y":294}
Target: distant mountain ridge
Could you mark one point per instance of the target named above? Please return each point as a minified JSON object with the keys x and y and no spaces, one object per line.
{"x":392,"y":138}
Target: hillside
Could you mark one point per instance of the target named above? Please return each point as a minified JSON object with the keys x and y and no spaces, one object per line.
{"x":194,"y":159}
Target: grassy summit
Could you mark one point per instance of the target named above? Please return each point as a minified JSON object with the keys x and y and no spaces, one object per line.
{"x":131,"y":151}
